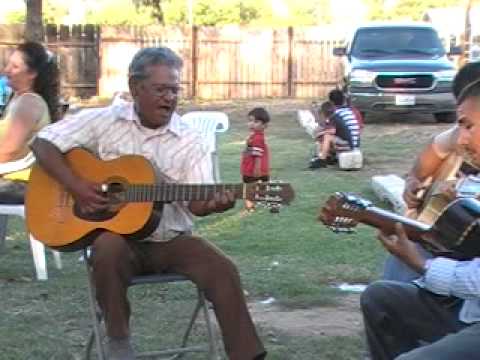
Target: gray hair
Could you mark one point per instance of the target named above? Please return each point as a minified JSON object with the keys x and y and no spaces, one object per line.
{"x":152,"y":56}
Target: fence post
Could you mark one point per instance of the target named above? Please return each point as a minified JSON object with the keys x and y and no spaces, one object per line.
{"x":98,"y":45}
{"x":194,"y":60}
{"x":290,"y":63}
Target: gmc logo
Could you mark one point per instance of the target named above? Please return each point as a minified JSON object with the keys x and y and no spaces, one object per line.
{"x":404,"y":81}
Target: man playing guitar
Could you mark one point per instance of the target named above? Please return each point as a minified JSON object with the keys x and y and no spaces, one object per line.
{"x":438,"y":316}
{"x":149,"y":126}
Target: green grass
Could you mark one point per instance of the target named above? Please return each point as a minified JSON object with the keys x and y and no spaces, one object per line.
{"x":289,"y":256}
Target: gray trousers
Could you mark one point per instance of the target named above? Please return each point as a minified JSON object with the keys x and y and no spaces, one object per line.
{"x":404,"y":322}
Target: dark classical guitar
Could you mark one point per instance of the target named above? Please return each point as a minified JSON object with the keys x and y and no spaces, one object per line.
{"x":134,"y":196}
{"x":455,"y":232}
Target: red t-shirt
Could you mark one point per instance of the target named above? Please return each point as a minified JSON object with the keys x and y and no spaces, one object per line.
{"x":256,"y":148}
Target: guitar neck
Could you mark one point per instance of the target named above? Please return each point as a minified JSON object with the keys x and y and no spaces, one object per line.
{"x":166,"y":192}
{"x":386,"y":220}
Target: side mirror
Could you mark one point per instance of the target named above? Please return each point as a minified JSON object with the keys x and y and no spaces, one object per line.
{"x":340,"y":51}
{"x":455,"y":50}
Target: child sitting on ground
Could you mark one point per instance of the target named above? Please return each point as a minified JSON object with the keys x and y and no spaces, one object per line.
{"x":255,"y":165}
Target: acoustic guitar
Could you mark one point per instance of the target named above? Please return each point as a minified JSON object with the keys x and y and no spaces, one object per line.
{"x":135,"y":199}
{"x":455,"y":233}
{"x":434,"y":199}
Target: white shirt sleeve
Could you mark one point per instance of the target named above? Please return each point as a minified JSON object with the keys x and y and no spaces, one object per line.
{"x":454,"y":278}
{"x":80,"y":130}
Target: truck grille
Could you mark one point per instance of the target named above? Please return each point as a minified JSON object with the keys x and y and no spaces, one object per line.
{"x":414,"y":81}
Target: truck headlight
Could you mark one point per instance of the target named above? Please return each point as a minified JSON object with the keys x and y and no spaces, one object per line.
{"x":446,"y":75}
{"x":362,"y":77}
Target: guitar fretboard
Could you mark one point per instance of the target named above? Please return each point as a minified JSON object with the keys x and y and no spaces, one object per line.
{"x":180,"y":192}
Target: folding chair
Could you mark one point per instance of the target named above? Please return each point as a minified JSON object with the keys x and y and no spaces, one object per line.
{"x":38,"y":249}
{"x":208,"y":123}
{"x":174,"y":353}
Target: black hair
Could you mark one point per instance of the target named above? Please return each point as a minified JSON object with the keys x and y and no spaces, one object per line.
{"x":47,"y":81}
{"x":337,"y":97}
{"x":327,"y":109}
{"x":259,"y":113}
{"x":467,"y":82}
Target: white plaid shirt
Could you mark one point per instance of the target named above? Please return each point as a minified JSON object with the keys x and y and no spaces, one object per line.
{"x":176,"y":152}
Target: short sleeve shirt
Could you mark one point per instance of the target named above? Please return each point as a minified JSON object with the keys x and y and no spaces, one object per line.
{"x":256,"y":148}
{"x":30,"y":107}
{"x":176,"y":152}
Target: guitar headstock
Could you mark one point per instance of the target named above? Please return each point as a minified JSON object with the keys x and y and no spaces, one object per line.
{"x":273,"y":194}
{"x":341,"y":211}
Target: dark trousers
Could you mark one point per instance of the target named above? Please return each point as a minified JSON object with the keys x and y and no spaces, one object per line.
{"x":12,"y":192}
{"x":191,"y":256}
{"x":405,"y":322}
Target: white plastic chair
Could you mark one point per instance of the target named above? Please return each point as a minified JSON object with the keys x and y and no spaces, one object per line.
{"x":208,"y":123}
{"x":390,"y":188}
{"x":307,"y":121}
{"x":38,"y":249}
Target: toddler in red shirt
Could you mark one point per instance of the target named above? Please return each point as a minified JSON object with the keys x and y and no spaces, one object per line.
{"x":255,"y":165}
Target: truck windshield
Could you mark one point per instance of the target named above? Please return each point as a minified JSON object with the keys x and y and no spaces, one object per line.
{"x":406,"y":41}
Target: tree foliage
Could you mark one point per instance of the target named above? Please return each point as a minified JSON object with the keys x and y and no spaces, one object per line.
{"x":404,"y":9}
{"x":155,"y":6}
{"x":268,"y":13}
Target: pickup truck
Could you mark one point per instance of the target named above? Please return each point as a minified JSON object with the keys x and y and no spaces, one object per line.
{"x":399,"y":68}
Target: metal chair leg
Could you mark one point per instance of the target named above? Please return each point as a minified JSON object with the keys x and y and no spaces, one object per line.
{"x":95,"y":315}
{"x":212,"y":341}
{"x":3,"y":231}
{"x":173,"y":353}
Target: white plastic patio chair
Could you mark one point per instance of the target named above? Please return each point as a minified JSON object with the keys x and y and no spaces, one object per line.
{"x":208,"y":123}
{"x":38,"y":249}
{"x":307,"y":121}
{"x":390,"y":188}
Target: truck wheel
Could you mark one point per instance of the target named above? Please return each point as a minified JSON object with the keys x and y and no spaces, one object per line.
{"x":445,"y":117}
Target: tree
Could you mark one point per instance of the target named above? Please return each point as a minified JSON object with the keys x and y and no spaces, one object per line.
{"x":156,"y":6}
{"x":411,"y":9}
{"x":34,"y":23}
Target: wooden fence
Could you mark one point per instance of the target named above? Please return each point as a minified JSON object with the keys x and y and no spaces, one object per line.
{"x":219,"y":62}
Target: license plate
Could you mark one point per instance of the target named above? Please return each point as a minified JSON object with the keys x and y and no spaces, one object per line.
{"x":404,"y":100}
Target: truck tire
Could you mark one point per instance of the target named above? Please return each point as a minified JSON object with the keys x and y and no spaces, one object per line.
{"x":445,"y":117}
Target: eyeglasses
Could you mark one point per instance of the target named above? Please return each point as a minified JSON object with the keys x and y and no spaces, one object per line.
{"x":162,"y":90}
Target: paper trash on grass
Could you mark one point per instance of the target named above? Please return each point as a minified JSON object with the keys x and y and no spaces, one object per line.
{"x":267,"y":301}
{"x":357,"y":288}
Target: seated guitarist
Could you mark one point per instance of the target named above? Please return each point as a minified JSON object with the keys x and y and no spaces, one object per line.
{"x":444,"y":147}
{"x":150,"y":127}
{"x":437,"y":316}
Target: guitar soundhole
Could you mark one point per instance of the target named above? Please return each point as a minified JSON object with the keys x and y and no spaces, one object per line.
{"x":115,"y":195}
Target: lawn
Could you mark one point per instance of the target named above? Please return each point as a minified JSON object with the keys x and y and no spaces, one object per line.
{"x":289,"y":256}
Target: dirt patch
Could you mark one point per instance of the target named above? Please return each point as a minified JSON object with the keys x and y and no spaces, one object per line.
{"x":342,"y":320}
